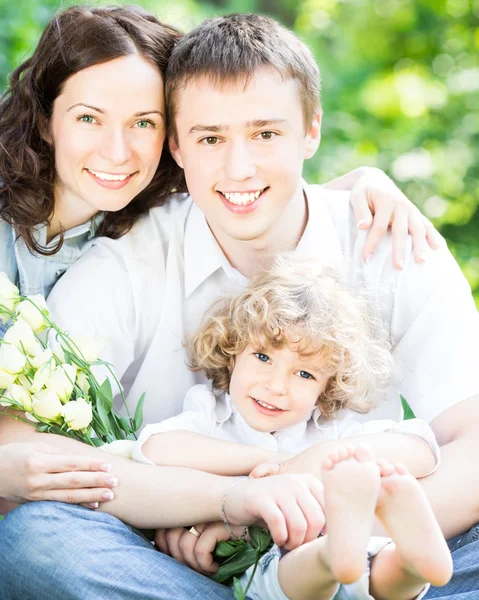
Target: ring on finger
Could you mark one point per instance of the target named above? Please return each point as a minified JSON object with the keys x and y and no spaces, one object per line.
{"x":194,"y":531}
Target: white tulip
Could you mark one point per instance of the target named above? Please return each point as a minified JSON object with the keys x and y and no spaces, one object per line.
{"x":77,"y":414}
{"x":90,"y":348}
{"x":20,"y":395}
{"x":47,"y":405}
{"x":120,"y":448}
{"x":43,"y":357}
{"x":41,"y":377}
{"x":9,"y":293}
{"x":30,"y":311}
{"x":62,"y":381}
{"x":25,"y":382}
{"x":21,"y":335}
{"x":82,"y":383}
{"x":11,"y":359}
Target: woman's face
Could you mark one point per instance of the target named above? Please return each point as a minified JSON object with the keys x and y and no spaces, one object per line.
{"x":108,"y":129}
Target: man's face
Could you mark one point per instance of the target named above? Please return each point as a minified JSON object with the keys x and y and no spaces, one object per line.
{"x":242,"y":150}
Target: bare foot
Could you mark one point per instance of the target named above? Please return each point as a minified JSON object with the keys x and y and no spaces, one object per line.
{"x":351,"y":486}
{"x":405,"y":512}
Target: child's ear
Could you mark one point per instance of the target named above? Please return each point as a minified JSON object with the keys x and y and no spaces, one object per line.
{"x":175,"y":150}
{"x":313,"y":137}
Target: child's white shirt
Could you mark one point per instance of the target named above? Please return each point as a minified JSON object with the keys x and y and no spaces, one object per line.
{"x":216,"y":417}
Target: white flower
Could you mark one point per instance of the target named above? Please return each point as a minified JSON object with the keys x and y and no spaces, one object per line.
{"x":62,"y":381}
{"x":82,"y":383}
{"x":41,"y":377}
{"x":47,"y":405}
{"x":43,"y":357}
{"x":11,"y":359}
{"x":88,"y":347}
{"x":8,"y":292}
{"x":20,"y":395}
{"x":77,"y":414}
{"x":120,"y":448}
{"x":6,"y":380}
{"x":30,"y":309}
{"x":21,"y":335}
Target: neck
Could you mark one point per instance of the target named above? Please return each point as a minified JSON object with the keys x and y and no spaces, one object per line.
{"x":248,"y":256}
{"x":67,"y":214}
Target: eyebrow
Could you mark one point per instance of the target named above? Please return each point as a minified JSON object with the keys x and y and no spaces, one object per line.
{"x":142,"y":113}
{"x":249,"y":124}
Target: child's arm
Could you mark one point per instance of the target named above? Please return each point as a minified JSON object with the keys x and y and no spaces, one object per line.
{"x":196,"y":451}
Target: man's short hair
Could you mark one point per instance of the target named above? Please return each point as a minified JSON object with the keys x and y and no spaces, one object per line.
{"x":226,"y":49}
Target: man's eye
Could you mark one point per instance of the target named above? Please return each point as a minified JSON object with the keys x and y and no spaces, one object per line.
{"x":267,"y":135}
{"x":262,"y":357}
{"x":86,"y":119}
{"x":210,"y":140}
{"x":305,"y":375}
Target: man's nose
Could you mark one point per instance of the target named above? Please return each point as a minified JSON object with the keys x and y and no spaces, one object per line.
{"x":240,"y":164}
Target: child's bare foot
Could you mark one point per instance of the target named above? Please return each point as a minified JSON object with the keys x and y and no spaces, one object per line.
{"x":407,"y":516}
{"x":351,"y":486}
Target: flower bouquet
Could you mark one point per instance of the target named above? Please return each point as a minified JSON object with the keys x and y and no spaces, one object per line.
{"x":57,"y":391}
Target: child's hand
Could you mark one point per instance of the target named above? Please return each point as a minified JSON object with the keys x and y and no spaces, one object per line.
{"x":192,"y":550}
{"x":265,"y":470}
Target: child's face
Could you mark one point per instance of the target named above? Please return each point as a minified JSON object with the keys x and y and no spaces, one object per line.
{"x":277,"y":388}
{"x":242,"y":149}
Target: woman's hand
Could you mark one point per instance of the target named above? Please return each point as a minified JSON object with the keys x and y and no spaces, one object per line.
{"x":38,"y":471}
{"x":379,"y":204}
{"x":195,"y":551}
{"x":290,"y":506}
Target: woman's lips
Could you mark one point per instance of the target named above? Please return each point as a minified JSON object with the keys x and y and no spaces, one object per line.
{"x":111,"y":185}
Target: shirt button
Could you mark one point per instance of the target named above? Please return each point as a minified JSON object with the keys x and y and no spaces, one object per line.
{"x":60,"y":272}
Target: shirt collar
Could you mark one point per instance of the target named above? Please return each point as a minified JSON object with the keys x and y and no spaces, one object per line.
{"x":203,"y":255}
{"x":89,"y":228}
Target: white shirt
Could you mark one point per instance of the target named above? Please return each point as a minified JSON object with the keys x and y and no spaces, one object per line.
{"x":143,"y":292}
{"x":218,"y":418}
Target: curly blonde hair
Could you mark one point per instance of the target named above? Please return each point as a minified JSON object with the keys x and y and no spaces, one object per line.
{"x":297,"y":299}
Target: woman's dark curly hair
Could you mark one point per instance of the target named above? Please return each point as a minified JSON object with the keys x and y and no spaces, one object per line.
{"x":75,"y":39}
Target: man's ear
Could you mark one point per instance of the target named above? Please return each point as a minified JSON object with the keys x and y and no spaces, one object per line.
{"x":313,"y":137}
{"x":175,"y":150}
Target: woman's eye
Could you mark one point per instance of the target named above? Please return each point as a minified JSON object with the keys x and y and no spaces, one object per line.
{"x":145,"y":124}
{"x":262,"y":357}
{"x":305,"y":375}
{"x":210,"y":140}
{"x":86,"y":119}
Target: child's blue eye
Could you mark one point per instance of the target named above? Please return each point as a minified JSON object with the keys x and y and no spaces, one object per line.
{"x":305,"y":375}
{"x":262,"y":357}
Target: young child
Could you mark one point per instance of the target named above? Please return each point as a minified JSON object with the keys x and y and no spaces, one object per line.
{"x":292,"y":360}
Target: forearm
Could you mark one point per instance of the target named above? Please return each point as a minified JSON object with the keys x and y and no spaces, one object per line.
{"x":347,"y":181}
{"x":195,"y":451}
{"x":410,"y":450}
{"x":146,"y":496}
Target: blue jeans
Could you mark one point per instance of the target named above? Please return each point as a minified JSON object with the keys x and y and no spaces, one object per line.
{"x":56,"y":551}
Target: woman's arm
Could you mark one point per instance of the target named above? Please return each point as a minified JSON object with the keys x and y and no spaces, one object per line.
{"x":188,"y":449}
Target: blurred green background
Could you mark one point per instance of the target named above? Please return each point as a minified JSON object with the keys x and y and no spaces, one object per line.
{"x":400,"y":91}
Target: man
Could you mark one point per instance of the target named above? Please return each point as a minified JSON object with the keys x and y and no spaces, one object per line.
{"x":243,"y":96}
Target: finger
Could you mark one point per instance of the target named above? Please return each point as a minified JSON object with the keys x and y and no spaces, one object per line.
{"x":432,"y":235}
{"x":417,"y":230}
{"x":273,"y":519}
{"x":400,"y":232}
{"x":314,"y":515}
{"x":204,"y":551}
{"x":81,"y":496}
{"x":295,"y":523}
{"x":62,"y":463}
{"x":377,"y":231}
{"x":173,"y":537}
{"x":362,"y":213}
{"x":76,"y":480}
{"x":161,"y":541}
{"x":187,"y":544}
{"x":265,"y":470}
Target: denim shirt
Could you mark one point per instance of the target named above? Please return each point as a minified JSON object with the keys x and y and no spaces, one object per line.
{"x":36,"y":273}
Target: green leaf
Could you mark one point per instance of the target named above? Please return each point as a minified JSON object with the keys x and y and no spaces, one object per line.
{"x":238,"y":589}
{"x":260,"y":538}
{"x":126,"y":424}
{"x":138,"y":419}
{"x":236,"y":564}
{"x":226,"y":549}
{"x":106,"y":393}
{"x":408,"y":413}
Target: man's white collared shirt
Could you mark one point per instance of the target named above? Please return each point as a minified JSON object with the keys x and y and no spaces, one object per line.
{"x":145,"y":292}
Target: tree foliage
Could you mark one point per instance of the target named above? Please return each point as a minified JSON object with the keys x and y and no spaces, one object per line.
{"x":400,"y":91}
